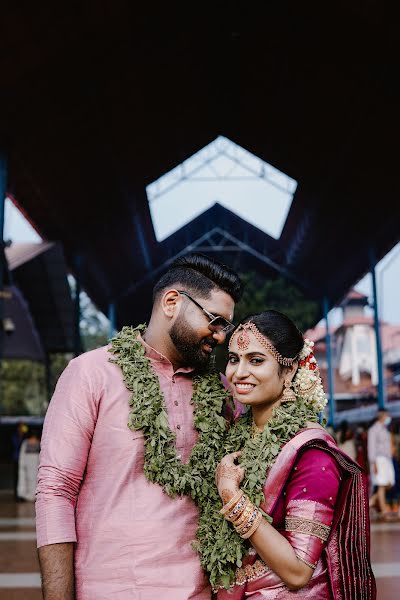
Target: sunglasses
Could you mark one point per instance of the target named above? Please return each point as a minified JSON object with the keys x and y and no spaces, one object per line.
{"x":216,"y":322}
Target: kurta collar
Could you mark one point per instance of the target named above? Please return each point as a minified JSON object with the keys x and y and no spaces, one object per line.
{"x":156,"y":356}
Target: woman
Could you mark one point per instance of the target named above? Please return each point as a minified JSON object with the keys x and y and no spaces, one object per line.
{"x":295,"y":508}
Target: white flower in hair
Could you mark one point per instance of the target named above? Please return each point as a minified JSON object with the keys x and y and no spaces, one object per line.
{"x":307,"y":349}
{"x":307,"y":382}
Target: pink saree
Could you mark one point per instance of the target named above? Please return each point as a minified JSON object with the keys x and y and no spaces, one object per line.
{"x":318,"y":499}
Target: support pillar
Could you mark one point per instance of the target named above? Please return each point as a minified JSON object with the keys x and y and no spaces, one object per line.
{"x":139,"y":231}
{"x":331,"y":390}
{"x":77,"y":303}
{"x":3,"y":191}
{"x":379,"y":358}
{"x":112,"y":317}
{"x":47,"y":366}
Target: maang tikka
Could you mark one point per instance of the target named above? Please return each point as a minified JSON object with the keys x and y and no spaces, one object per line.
{"x":243,"y":340}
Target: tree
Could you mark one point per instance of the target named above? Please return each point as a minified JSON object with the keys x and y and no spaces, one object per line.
{"x":24,"y":389}
{"x":277,"y":294}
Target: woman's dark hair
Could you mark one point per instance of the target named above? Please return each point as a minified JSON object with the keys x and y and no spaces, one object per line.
{"x":280,"y":330}
{"x":200,"y":275}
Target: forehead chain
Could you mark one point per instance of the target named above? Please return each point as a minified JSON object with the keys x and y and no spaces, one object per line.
{"x":243,"y":342}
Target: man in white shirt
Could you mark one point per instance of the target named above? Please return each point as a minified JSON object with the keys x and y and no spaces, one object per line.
{"x":380,"y":460}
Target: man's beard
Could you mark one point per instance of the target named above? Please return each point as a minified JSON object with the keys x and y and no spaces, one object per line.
{"x":185,"y":341}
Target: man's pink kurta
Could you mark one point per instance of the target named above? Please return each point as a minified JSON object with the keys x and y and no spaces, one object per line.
{"x":133,"y":541}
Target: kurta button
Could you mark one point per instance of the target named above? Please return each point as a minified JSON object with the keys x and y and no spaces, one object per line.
{"x":178,"y":426}
{"x":176,"y":402}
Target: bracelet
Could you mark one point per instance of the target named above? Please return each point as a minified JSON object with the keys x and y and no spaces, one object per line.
{"x":238,"y":509}
{"x":243,"y":518}
{"x":231,"y":502}
{"x":254,"y":527}
{"x":246,"y":524}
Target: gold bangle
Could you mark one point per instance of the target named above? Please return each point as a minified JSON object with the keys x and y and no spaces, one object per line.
{"x":247,"y":523}
{"x":253,"y":528}
{"x":246,"y":514}
{"x":231,"y":502}
{"x":238,"y":509}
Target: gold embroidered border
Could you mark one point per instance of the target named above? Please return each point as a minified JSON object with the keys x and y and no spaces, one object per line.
{"x":309,"y":564}
{"x":249,"y":573}
{"x":308,"y":526}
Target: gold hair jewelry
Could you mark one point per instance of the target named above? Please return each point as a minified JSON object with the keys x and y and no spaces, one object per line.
{"x":288,"y":392}
{"x":243,"y":342}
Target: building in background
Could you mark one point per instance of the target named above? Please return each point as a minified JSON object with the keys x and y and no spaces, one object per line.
{"x":354,"y":355}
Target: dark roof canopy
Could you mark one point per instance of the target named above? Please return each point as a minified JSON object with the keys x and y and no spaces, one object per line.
{"x":41,"y":291}
{"x":22,"y":340}
{"x":101,"y":99}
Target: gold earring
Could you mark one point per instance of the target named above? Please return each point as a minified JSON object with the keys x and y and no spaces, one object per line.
{"x":288,"y":393}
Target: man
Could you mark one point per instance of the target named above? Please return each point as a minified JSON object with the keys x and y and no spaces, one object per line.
{"x":104,"y":530}
{"x":380,"y":461}
{"x":17,"y":439}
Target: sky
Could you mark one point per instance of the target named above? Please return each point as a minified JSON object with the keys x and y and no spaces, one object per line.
{"x":226,"y":173}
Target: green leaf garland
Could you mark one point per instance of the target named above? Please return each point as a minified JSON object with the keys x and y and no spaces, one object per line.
{"x":149,"y":414}
{"x":220,"y":548}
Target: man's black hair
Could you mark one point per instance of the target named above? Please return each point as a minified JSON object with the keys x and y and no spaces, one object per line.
{"x":198,"y":274}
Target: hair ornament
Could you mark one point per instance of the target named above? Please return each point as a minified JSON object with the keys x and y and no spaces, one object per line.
{"x":243,"y":342}
{"x":307,"y":382}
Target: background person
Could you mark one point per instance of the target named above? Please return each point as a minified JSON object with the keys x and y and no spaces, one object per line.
{"x":28,"y":465}
{"x":380,"y":462}
{"x":17,"y":439}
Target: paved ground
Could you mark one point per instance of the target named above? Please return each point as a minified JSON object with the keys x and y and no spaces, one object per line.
{"x":19,"y":572}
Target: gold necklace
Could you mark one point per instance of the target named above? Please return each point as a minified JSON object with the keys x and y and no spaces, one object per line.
{"x":255,"y":431}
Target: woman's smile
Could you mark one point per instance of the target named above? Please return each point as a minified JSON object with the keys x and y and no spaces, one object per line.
{"x":243,"y":387}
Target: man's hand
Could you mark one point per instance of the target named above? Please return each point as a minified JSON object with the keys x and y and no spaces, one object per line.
{"x":57,"y":569}
{"x":374,"y":468}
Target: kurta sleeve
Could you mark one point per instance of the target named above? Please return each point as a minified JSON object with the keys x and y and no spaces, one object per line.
{"x":309,"y":503}
{"x":67,"y":434}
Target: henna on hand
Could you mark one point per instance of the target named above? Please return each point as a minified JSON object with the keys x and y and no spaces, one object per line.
{"x":228,"y":472}
{"x":226,"y":495}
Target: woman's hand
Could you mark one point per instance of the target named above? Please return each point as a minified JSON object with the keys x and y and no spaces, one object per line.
{"x":229,"y":476}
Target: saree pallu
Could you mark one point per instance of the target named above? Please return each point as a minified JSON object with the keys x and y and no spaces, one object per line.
{"x":343,"y":570}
